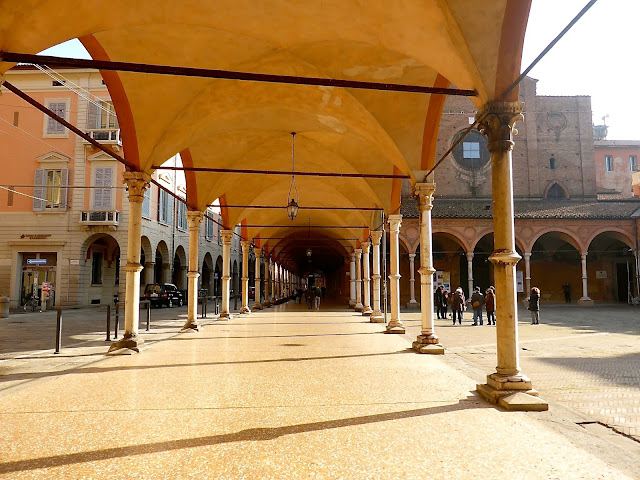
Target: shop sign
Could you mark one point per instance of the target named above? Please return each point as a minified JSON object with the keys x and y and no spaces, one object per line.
{"x":36,"y":261}
{"x":35,"y":236}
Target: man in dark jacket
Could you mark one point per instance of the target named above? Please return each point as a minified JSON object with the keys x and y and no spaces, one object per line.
{"x":477,"y":300}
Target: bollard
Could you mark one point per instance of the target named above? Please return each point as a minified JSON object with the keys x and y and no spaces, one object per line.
{"x":58,"y":330}
{"x":148,"y":315}
{"x":115,"y":333}
{"x":217,"y":309}
{"x":203,"y":309}
{"x":108,"y":339}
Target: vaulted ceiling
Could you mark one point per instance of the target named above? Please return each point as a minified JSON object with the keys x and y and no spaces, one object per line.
{"x":247,"y":125}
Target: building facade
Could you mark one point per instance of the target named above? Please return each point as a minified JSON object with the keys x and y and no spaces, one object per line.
{"x":63,"y":206}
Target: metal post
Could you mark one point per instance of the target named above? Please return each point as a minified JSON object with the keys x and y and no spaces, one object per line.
{"x":108,"y":339}
{"x":115,"y":331}
{"x":58,"y":330}
{"x":148,"y":315}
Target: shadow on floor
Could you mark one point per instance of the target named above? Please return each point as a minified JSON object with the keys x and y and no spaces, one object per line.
{"x":252,"y":435}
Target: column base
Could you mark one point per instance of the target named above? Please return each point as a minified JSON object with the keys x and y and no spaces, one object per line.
{"x":397,"y":328}
{"x":245,"y":311}
{"x":413,"y":305}
{"x":586,"y":301}
{"x":126,"y":346}
{"x":512,"y":392}
{"x":225,"y":316}
{"x":376,"y":317}
{"x":256,"y":306}
{"x":352,"y":303}
{"x":428,"y":344}
{"x":191,"y":326}
{"x":358,"y":307}
{"x":367,"y":311}
{"x":266,"y":304}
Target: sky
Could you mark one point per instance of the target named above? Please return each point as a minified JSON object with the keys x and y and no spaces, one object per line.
{"x":597,"y":57}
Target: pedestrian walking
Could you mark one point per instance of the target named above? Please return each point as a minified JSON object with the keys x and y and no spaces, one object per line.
{"x":477,"y":301}
{"x":446,"y":298}
{"x":490,"y":305}
{"x":317,"y":295}
{"x":457,"y":305}
{"x":534,"y":305}
{"x":308,"y":295}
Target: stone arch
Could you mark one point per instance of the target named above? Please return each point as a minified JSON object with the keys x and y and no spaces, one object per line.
{"x":217,"y":277}
{"x":180,"y":267}
{"x":556,"y":191}
{"x":556,"y":265}
{"x":235,"y":279}
{"x":162,"y":261}
{"x":566,"y":235}
{"x":100,"y":275}
{"x":207,"y":275}
{"x":611,"y":267}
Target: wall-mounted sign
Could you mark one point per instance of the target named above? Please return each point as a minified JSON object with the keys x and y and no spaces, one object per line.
{"x":36,"y":261}
{"x":35,"y":236}
{"x":74,"y":262}
{"x":601,"y":274}
{"x":519,"y":281}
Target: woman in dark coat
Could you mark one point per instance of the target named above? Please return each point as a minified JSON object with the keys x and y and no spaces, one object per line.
{"x":457,"y":305}
{"x":490,"y":305}
{"x":534,"y":305}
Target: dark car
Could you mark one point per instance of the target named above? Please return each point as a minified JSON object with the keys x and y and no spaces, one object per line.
{"x":165,"y":294}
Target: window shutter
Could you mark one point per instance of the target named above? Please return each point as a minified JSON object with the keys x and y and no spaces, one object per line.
{"x":146,"y":203}
{"x":59,"y":108}
{"x":107,"y":181}
{"x":97,"y":192}
{"x":38,"y":191}
{"x":64,"y":181}
{"x":93,"y":118}
{"x":161,"y":206}
{"x":169,"y":209}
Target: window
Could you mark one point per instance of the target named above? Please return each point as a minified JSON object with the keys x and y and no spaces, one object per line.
{"x":165,"y":207}
{"x":53,"y":127}
{"x":552,"y":163}
{"x":632,"y":163}
{"x":146,"y":203}
{"x":96,"y":268}
{"x":471,"y":149}
{"x":102,"y":198}
{"x":607,"y":163}
{"x":182,"y":216}
{"x":208,"y":228}
{"x":48,"y":191}
{"x":102,"y":115}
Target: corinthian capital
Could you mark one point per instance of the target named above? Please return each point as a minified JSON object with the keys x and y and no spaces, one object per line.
{"x":137,"y":183}
{"x":194,"y":219}
{"x":498,"y":120}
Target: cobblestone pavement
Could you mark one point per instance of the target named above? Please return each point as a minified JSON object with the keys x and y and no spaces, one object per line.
{"x":585,"y":358}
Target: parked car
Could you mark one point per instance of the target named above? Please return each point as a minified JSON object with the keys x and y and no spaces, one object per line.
{"x":165,"y":294}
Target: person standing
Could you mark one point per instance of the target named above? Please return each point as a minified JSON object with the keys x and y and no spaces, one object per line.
{"x":438,"y":301}
{"x":446,"y":298}
{"x":308,"y":294}
{"x":490,"y":305}
{"x":457,"y":305}
{"x":534,"y":305}
{"x":477,"y":301}
{"x":317,"y":294}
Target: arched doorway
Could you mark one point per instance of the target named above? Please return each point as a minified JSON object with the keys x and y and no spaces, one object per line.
{"x":100,"y":277}
{"x":179,"y":272}
{"x":611,"y":268}
{"x":206,"y":279}
{"x":217,"y":278}
{"x":450,"y":262}
{"x":556,"y":267}
{"x":482,"y":266}
{"x":161,"y":263}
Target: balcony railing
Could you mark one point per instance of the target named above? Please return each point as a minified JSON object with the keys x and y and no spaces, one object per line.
{"x":105,"y":135}
{"x":100,"y":217}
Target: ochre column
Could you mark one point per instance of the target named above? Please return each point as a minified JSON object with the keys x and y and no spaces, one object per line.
{"x":274,"y":276}
{"x":267,"y":282}
{"x":227,"y":236}
{"x":377,"y":315}
{"x":245,"y":244}
{"x":395,"y":324}
{"x":584,"y":300}
{"x":412,"y":280}
{"x":358,"y":306}
{"x":427,"y":341}
{"x":137,"y":183}
{"x":257,"y":305}
{"x":508,"y":386}
{"x":527,"y":274}
{"x":352,"y":280}
{"x":470,"y":273}
{"x":366,"y":293}
{"x":194,"y":219}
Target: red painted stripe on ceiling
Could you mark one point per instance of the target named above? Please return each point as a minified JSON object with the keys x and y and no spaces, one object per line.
{"x":432,"y":124}
{"x":514,"y":25}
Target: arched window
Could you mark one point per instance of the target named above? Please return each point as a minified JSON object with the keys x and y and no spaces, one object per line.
{"x":556,"y":192}
{"x":552,"y":162}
